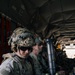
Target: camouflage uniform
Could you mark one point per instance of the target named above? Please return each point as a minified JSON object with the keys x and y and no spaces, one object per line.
{"x":15,"y":65}
{"x":43,"y":59}
{"x":37,"y":66}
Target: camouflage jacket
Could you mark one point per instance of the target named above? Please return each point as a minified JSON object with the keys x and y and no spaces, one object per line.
{"x":16,"y":66}
{"x":37,"y":66}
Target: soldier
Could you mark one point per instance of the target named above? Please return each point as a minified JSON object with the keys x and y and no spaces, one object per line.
{"x":21,"y":42}
{"x":40,"y":50}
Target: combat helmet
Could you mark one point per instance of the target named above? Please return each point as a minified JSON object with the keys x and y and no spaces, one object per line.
{"x":38,"y":40}
{"x":21,"y":37}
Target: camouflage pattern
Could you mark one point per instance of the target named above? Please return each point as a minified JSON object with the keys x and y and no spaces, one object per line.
{"x":21,"y":37}
{"x":16,"y":66}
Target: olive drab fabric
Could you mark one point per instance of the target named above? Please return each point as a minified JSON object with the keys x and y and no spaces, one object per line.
{"x":37,"y":66}
{"x":16,"y":66}
{"x":44,"y":65}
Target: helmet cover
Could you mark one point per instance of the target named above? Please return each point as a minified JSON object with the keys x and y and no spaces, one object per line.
{"x":21,"y":37}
